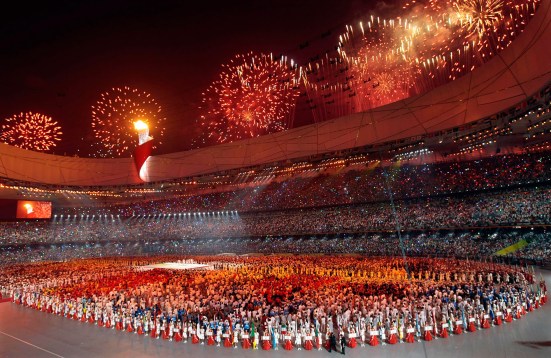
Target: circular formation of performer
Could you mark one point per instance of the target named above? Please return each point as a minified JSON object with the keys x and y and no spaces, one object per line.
{"x":287,"y":301}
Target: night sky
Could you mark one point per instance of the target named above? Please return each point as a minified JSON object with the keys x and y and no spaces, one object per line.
{"x":58,"y":57}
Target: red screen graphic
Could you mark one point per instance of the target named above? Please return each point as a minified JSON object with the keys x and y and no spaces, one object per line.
{"x":27,"y":209}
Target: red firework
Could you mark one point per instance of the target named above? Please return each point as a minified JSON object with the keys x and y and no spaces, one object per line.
{"x":254,"y":95}
{"x":33,"y":131}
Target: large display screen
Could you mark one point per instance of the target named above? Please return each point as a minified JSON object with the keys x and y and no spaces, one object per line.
{"x":28,"y":209}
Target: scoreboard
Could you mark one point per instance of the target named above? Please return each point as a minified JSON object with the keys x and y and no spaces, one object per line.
{"x":25,"y":209}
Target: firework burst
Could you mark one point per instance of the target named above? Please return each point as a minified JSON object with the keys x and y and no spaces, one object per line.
{"x":33,"y":131}
{"x":254,"y":95}
{"x":480,"y":16}
{"x":431,"y":42}
{"x":113,"y":118}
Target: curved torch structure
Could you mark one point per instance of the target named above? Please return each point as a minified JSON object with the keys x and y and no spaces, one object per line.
{"x":144,"y":148}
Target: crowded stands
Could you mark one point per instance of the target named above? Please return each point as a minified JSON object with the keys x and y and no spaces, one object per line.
{"x":473,"y":244}
{"x":515,"y":207}
{"x":335,"y":213}
{"x":353,"y":186}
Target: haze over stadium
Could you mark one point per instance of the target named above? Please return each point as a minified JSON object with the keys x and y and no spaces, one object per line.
{"x":365,"y":178}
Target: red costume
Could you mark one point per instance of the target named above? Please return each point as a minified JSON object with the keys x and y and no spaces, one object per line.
{"x":373,"y":341}
{"x":457,"y":329}
{"x":392,"y":338}
{"x":509,"y":317}
{"x":443,"y":332}
{"x":471,"y":327}
{"x":211,"y":341}
{"x":428,"y":335}
{"x":246,"y":344}
{"x":288,"y":345}
{"x":485,"y":324}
